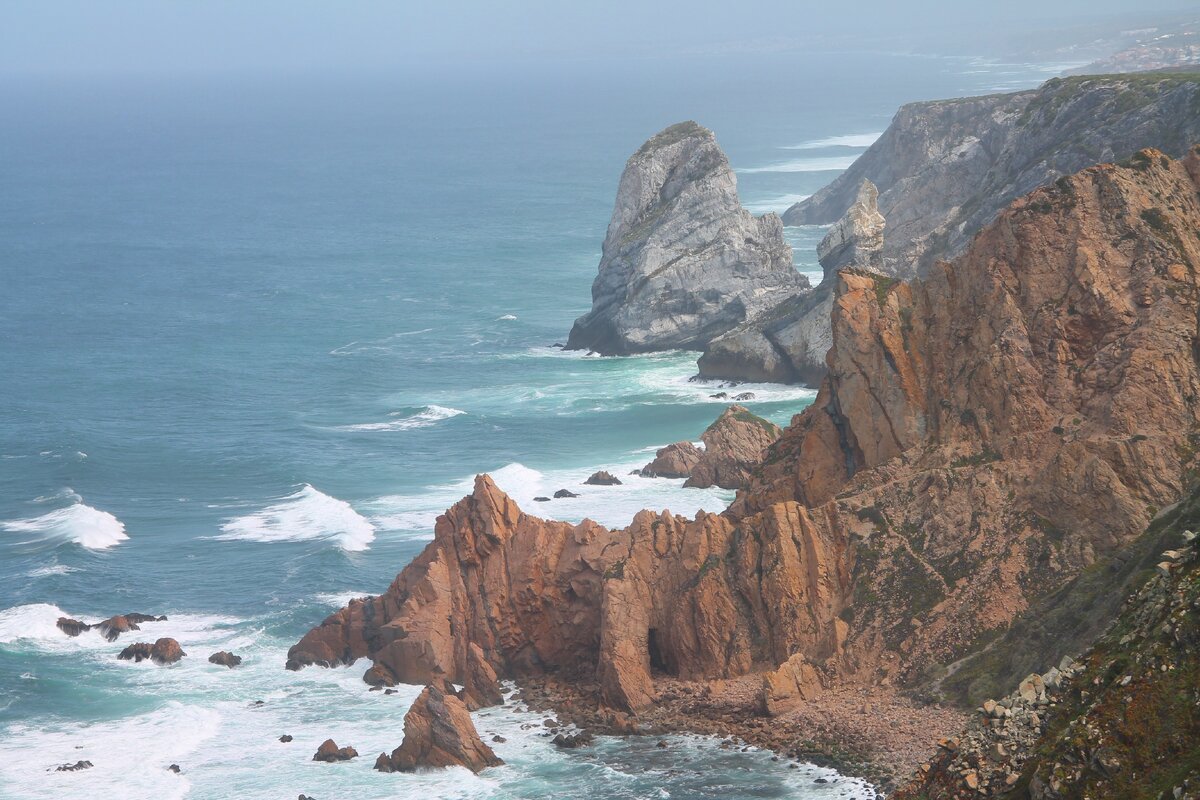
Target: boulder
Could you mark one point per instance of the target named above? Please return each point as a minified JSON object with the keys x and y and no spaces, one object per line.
{"x":329,"y":752}
{"x":796,"y":679}
{"x":438,"y":732}
{"x":603,"y":478}
{"x":682,"y":261}
{"x":570,"y":741}
{"x":225,"y":659}
{"x":561,"y":493}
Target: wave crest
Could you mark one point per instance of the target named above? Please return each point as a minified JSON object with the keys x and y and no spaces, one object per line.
{"x":429,"y":415}
{"x":307,"y":515}
{"x":78,"y":523}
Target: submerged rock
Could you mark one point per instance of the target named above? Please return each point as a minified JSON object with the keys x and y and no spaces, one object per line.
{"x":162,"y":652}
{"x":225,"y":659}
{"x":563,"y":493}
{"x":438,"y":732}
{"x":76,"y":767}
{"x":682,"y":261}
{"x":72,"y":627}
{"x":113,"y":627}
{"x":570,"y":741}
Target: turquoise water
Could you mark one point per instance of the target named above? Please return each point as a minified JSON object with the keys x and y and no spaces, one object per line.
{"x":257,"y":334}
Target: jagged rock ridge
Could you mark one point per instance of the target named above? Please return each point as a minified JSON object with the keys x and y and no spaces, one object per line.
{"x":682,"y":262}
{"x":982,"y":436}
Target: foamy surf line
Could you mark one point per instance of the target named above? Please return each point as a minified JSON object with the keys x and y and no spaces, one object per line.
{"x":823,"y":164}
{"x":613,"y":506}
{"x":861,"y":140}
{"x":430,"y":415}
{"x":776,"y":204}
{"x":307,"y":515}
{"x":78,"y":523}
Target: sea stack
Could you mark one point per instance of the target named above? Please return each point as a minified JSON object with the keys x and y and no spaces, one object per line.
{"x":682,"y":261}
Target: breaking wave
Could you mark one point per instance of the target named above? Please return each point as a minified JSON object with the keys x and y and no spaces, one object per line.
{"x":849,"y":140}
{"x":429,"y":415}
{"x":307,"y":515}
{"x":78,"y":523}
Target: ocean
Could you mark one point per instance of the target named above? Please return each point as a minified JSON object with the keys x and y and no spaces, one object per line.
{"x":256,"y":333}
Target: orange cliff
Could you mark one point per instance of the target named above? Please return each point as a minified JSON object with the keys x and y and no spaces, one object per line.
{"x":982,"y":435}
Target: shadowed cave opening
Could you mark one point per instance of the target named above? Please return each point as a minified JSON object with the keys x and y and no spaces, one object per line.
{"x":657,"y":662}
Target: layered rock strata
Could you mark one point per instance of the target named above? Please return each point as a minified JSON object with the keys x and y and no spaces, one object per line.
{"x":682,"y":261}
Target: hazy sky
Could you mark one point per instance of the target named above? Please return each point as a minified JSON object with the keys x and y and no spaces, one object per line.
{"x":170,"y":36}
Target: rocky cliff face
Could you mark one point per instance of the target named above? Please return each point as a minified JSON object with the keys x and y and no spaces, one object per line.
{"x":1121,"y":722}
{"x":946,"y":168}
{"x":682,"y":262}
{"x":982,"y":435}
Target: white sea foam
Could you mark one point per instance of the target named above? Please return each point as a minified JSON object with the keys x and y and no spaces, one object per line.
{"x":36,"y":625}
{"x":614,"y":506}
{"x":862,"y":140}
{"x":430,"y":415}
{"x":506,"y":318}
{"x":76,"y":522}
{"x":34,"y":622}
{"x":307,"y":515}
{"x":339,"y":599}
{"x":381,"y":345}
{"x":51,"y":569}
{"x":777,"y":204}
{"x":813,"y":164}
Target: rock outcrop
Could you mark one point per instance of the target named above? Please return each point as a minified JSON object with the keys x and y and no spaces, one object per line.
{"x":673,"y":461}
{"x":682,"y":261}
{"x":330,"y":753}
{"x":438,"y":732}
{"x":162,"y":652}
{"x":603,"y":478}
{"x":981,"y":437}
{"x":946,"y":168}
{"x":856,"y":239}
{"x":733,"y":447}
{"x":789,"y":344}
